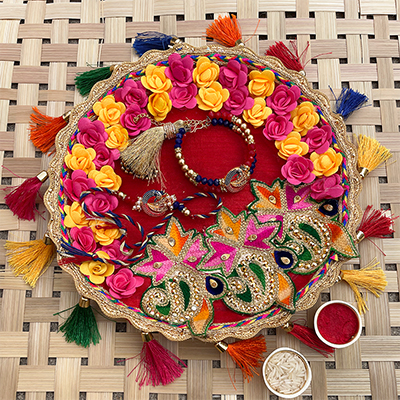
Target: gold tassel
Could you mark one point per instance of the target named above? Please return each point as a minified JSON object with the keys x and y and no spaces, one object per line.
{"x":371,"y":154}
{"x":30,"y":259}
{"x":141,"y":157}
{"x":370,"y":277}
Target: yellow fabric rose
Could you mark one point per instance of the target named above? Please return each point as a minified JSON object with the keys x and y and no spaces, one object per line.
{"x":102,"y":234}
{"x":159,"y":105}
{"x":291,"y":145}
{"x":261,"y":84}
{"x":155,"y":79}
{"x":327,"y":163}
{"x":106,"y":178}
{"x":212,"y":97}
{"x":117,"y":137}
{"x":304,"y":117}
{"x":81,"y":158}
{"x":75,"y":216}
{"x":96,"y":270}
{"x":109,"y":111}
{"x":205,"y":73}
{"x":258,"y":113}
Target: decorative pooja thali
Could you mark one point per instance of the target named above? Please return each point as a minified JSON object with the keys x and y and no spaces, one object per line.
{"x":205,"y":192}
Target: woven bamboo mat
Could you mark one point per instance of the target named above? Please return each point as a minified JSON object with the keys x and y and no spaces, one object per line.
{"x":43,"y":44}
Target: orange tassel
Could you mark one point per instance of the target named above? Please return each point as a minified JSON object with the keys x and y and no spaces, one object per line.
{"x":247,"y":354}
{"x":225,"y":31}
{"x":44,"y":129}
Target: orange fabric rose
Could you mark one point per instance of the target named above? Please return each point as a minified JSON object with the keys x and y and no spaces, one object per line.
{"x":106,"y":178}
{"x":326,"y":163}
{"x":205,"y":73}
{"x":159,"y":105}
{"x":102,"y":234}
{"x":261,"y":84}
{"x":304,"y":117}
{"x":109,"y":111}
{"x":81,"y":158}
{"x":117,"y":137}
{"x":258,"y":113}
{"x":96,"y":270}
{"x":75,"y":217}
{"x":155,"y":79}
{"x":291,"y":145}
{"x":212,"y":97}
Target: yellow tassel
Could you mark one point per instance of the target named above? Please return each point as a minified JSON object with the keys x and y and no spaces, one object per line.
{"x":371,"y":154}
{"x":30,"y":259}
{"x":370,"y":277}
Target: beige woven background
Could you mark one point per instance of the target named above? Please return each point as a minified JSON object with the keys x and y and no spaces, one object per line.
{"x":43,"y":44}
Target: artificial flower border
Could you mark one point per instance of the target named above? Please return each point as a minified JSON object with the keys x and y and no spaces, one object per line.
{"x":217,"y":331}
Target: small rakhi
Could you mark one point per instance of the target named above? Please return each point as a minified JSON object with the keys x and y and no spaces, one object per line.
{"x":237,"y":177}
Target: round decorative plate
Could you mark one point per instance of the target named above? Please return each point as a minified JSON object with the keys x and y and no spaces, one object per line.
{"x":145,"y":163}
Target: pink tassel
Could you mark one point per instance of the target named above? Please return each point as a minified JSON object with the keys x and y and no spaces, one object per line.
{"x":157,"y":365}
{"x":375,"y":223}
{"x":22,"y":200}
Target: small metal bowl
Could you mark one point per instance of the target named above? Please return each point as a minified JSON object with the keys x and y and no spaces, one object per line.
{"x":308,"y":374}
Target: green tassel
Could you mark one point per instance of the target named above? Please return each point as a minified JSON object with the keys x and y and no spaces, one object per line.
{"x":86,"y":80}
{"x":81,"y":326}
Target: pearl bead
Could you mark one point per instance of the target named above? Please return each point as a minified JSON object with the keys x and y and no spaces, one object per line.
{"x":250,"y":138}
{"x":186,"y":212}
{"x":247,"y":131}
{"x":243,"y":126}
{"x":185,"y":168}
{"x":181,"y":162}
{"x":178,"y":155}
{"x":238,"y":122}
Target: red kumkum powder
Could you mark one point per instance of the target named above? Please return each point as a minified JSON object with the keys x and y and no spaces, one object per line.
{"x":337,"y":323}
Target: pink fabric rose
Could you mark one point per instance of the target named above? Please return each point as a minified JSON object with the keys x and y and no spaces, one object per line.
{"x":132,"y":92}
{"x":180,"y":70}
{"x":284,"y":99}
{"x":298,"y":170}
{"x":115,"y":253}
{"x":78,"y":183}
{"x":101,"y":202}
{"x":128,"y":120}
{"x":238,"y":100}
{"x":327,"y":187}
{"x":182,"y":97}
{"x":123,"y":283}
{"x":83,"y":239}
{"x":319,"y":139}
{"x":90,"y":132}
{"x":105,"y":156}
{"x":277,"y":127}
{"x":233,"y":75}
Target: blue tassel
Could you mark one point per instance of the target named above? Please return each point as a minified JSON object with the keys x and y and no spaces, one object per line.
{"x":349,"y":101}
{"x":151,"y":40}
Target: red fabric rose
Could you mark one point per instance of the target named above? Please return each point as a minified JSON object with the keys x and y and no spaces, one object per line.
{"x":319,"y":139}
{"x":298,"y":170}
{"x":184,"y":97}
{"x":132,"y":92}
{"x":284,"y":99}
{"x":105,"y":156}
{"x":90,"y":132}
{"x":78,"y":183}
{"x":233,"y":75}
{"x":327,"y":187}
{"x":101,"y":202}
{"x":277,"y":127}
{"x":123,"y":283}
{"x":128,"y":120}
{"x":180,"y":70}
{"x":83,"y":239}
{"x":238,"y":100}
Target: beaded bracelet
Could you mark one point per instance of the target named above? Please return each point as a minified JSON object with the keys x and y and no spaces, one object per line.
{"x":237,"y":177}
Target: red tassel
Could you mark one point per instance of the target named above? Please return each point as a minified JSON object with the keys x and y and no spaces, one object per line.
{"x":157,"y":365}
{"x":290,"y":58}
{"x":309,"y":338}
{"x":247,"y":354}
{"x":225,"y":31}
{"x":22,"y":200}
{"x":44,"y":129}
{"x":375,"y":223}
